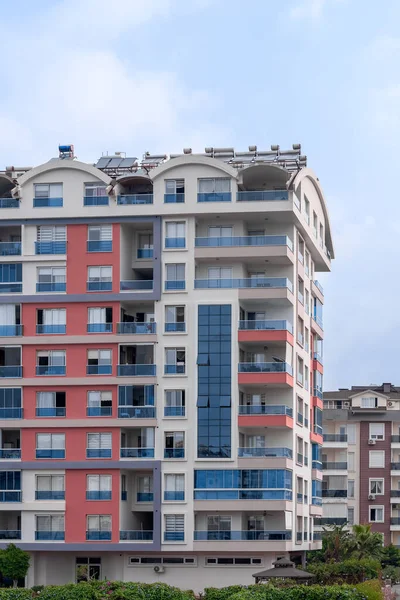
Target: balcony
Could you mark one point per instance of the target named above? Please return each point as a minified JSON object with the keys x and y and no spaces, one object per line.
{"x":51,"y":247}
{"x":395,"y":439}
{"x":242,"y":536}
{"x":99,"y":327}
{"x":144,"y":497}
{"x":50,"y":370}
{"x":335,"y":437}
{"x":135,"y":199}
{"x":174,"y":536}
{"x":10,"y":453}
{"x":9,"y":202}
{"x":317,"y":392}
{"x":334,"y":493}
{"x":265,"y":367}
{"x":50,"y":535}
{"x":175,"y":327}
{"x":261,"y":409}
{"x":395,"y":520}
{"x":265,"y":453}
{"x":259,"y":415}
{"x":334,"y":466}
{"x":317,"y":536}
{"x":51,"y":329}
{"x":10,"y":248}
{"x":98,"y":536}
{"x":11,"y":413}
{"x":134,"y":328}
{"x":174,"y":411}
{"x":395,"y":493}
{"x":175,"y":285}
{"x":215,"y":197}
{"x":11,"y":371}
{"x":51,"y":286}
{"x":95,"y":201}
{"x":175,"y":243}
{"x":99,"y":246}
{"x":136,"y":412}
{"x":262,"y":195}
{"x":174,"y":369}
{"x":11,"y":496}
{"x":316,"y":501}
{"x":10,"y":534}
{"x":269,"y":325}
{"x":99,"y":286}
{"x":98,"y":452}
{"x":136,"y":285}
{"x":50,"y":453}
{"x":243,"y":495}
{"x":174,"y":452}
{"x":51,"y":412}
{"x":327,"y":521}
{"x":246,"y":283}
{"x":98,"y":369}
{"x":174,"y":496}
{"x":240,"y":241}
{"x":99,"y":411}
{"x":395,"y":466}
{"x":11,"y":288}
{"x":98,"y":494}
{"x":318,"y":357}
{"x":136,"y":370}
{"x":136,"y":536}
{"x":137,"y":453}
{"x":50,"y":495}
{"x":319,"y":286}
{"x":47,"y":202}
{"x":11,"y":330}
{"x":144,"y":253}
{"x":174,"y":198}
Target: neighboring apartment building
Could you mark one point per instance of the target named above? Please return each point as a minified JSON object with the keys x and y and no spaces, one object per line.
{"x":161,"y":364}
{"x":361,"y":458}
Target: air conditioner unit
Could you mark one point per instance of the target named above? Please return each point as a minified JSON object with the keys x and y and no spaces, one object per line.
{"x":390,"y":403}
{"x":371,"y":497}
{"x":159,"y":569}
{"x":371,"y":442}
{"x":346,"y":404}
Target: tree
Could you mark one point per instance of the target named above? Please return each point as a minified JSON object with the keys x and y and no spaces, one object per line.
{"x":390,"y":556}
{"x":14,"y":563}
{"x":336,"y":542}
{"x":366,"y":543}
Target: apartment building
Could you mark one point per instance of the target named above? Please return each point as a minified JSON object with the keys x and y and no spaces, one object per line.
{"x":361,"y":459}
{"x":161,"y":364}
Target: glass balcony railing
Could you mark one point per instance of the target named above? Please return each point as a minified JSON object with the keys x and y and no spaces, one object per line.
{"x":95,"y":201}
{"x":144,"y":253}
{"x":334,"y":466}
{"x":174,"y":536}
{"x":11,"y":287}
{"x":50,"y":453}
{"x":174,"y":496}
{"x":335,"y":437}
{"x":99,"y":286}
{"x":50,"y":495}
{"x":171,"y":242}
{"x":98,"y":494}
{"x":99,"y":536}
{"x":214,"y":197}
{"x":262,"y":409}
{"x":175,"y":327}
{"x":247,"y":283}
{"x":135,"y":199}
{"x":11,"y":330}
{"x":12,"y":371}
{"x":10,"y":453}
{"x":174,"y":452}
{"x":174,"y":369}
{"x":10,"y":534}
{"x":251,"y":536}
{"x":10,"y":248}
{"x":395,"y":439}
{"x":175,"y":285}
{"x":317,"y":392}
{"x":318,"y":357}
{"x":269,"y":325}
{"x":262,"y":195}
{"x":243,"y":495}
{"x":99,"y":411}
{"x":134,"y":328}
{"x":136,"y":412}
{"x":395,"y":520}
{"x":51,"y":247}
{"x":334,"y":493}
{"x":98,"y":452}
{"x":174,"y":198}
{"x":50,"y":369}
{"x":136,"y":536}
{"x":50,"y":535}
{"x":9,"y":202}
{"x":136,"y":284}
{"x":316,"y":501}
{"x":395,"y":466}
{"x":318,"y":321}
{"x":51,"y":412}
{"x":326,"y":521}
{"x":99,"y":246}
{"x":317,"y":429}
{"x":265,"y":453}
{"x":247,"y":240}
{"x":11,"y":496}
{"x":137,"y":453}
{"x":395,"y":493}
{"x":136,"y":370}
{"x":47,"y":202}
{"x":265,"y":367}
{"x":98,"y":369}
{"x":144,"y":497}
{"x":174,"y":411}
{"x":51,"y":329}
{"x":319,"y":286}
{"x":51,"y":286}
{"x":317,"y":464}
{"x":99,"y":327}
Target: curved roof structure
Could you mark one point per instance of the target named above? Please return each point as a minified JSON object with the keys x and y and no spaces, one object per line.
{"x":193,"y":159}
{"x":57,"y":163}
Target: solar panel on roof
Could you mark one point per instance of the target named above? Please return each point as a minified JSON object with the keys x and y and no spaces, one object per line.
{"x":114,"y":163}
{"x":127,"y":163}
{"x":103,"y":162}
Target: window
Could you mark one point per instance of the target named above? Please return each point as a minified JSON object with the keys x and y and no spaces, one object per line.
{"x":50,"y":404}
{"x":377,"y":486}
{"x":174,"y":186}
{"x":51,"y":320}
{"x":174,"y":403}
{"x":377,"y":431}
{"x":174,"y":528}
{"x":307,"y":304}
{"x":220,"y":273}
{"x":321,"y":235}
{"x":174,"y":444}
{"x":350,"y":488}
{"x":51,"y":362}
{"x":51,"y":279}
{"x":307,"y":209}
{"x":216,"y":189}
{"x":99,"y":404}
{"x":300,"y":290}
{"x":87,"y":569}
{"x":299,"y":450}
{"x":99,"y":238}
{"x":300,"y":410}
{"x":315,"y":224}
{"x":229,"y":561}
{"x":165,"y":560}
{"x":50,"y":445}
{"x":300,"y":370}
{"x":351,"y":433}
{"x":50,"y":527}
{"x":376,"y":514}
{"x":306,"y":414}
{"x":377,"y":459}
{"x":219,"y":523}
{"x":175,"y":277}
{"x":369,"y":402}
{"x":99,"y":279}
{"x":100,"y":320}
{"x":10,"y":404}
{"x":95,"y":189}
{"x":307,"y":263}
{"x":220,"y":231}
{"x":50,"y":487}
{"x":11,"y":277}
{"x":306,"y":377}
{"x":144,"y":488}
{"x":351,"y":461}
{"x":175,"y":361}
{"x":99,"y":445}
{"x":99,"y":362}
{"x":98,"y":527}
{"x":175,"y":234}
{"x":175,"y":319}
{"x":350,"y":515}
{"x":98,"y":487}
{"x":48,"y":190}
{"x":145,"y":242}
{"x":174,"y":487}
{"x":51,"y":239}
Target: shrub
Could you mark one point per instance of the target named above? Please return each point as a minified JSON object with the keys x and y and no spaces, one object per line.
{"x":348,"y":571}
{"x":15,"y":594}
{"x":371,"y":590}
{"x":297,"y":592}
{"x":392,"y":573}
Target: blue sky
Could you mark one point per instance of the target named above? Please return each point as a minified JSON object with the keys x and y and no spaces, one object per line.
{"x":161,"y":75}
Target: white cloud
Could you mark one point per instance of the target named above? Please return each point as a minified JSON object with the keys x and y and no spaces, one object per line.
{"x":310,"y":9}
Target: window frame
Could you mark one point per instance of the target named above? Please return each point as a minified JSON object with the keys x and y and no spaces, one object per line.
{"x":376,"y":507}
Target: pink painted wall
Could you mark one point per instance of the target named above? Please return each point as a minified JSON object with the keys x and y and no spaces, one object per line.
{"x":77,"y":507}
{"x":78,"y":259}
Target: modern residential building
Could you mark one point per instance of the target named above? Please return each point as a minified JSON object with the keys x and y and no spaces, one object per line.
{"x":161,"y":364}
{"x":361,"y":458}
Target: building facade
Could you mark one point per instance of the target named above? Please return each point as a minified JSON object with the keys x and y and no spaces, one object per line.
{"x":161,"y":364}
{"x":361,"y":459}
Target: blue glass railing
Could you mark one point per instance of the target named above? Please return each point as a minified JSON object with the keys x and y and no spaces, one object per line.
{"x":174,"y":452}
{"x":317,"y":429}
{"x":44,"y":202}
{"x":265,"y":452}
{"x":10,"y":534}
{"x":51,"y":286}
{"x":99,"y":327}
{"x":251,"y":536}
{"x":319,"y":286}
{"x":136,"y":536}
{"x":262,"y":195}
{"x":174,"y":198}
{"x":10,"y":288}
{"x":98,"y":452}
{"x":50,"y":535}
{"x":248,"y":282}
{"x":261,"y":409}
{"x":98,"y":494}
{"x":50,"y":412}
{"x":11,"y":413}
{"x":265,"y":367}
{"x":136,"y":328}
{"x":317,"y":535}
{"x":11,"y":496}
{"x":10,"y":248}
{"x":243,"y":495}
{"x":99,"y":246}
{"x":99,"y":411}
{"x":318,"y":321}
{"x":136,"y":412}
{"x":98,"y":369}
{"x":50,"y":369}
{"x":99,"y":286}
{"x":174,"y":536}
{"x":135,"y":199}
{"x":137,"y":453}
{"x":95,"y":201}
{"x":50,"y":452}
{"x":215,"y":197}
{"x":171,"y":242}
{"x":175,"y":327}
{"x":174,"y":369}
{"x":46,"y":329}
{"x":174,"y":411}
{"x":11,"y":371}
{"x":99,"y":536}
{"x":246,"y":240}
{"x":136,"y":370}
{"x":10,"y":330}
{"x":9,"y":202}
{"x":175,"y":285}
{"x":144,"y":497}
{"x":318,"y":357}
{"x":51,"y":247}
{"x":316,"y":501}
{"x":144,"y":253}
{"x":174,"y":496}
{"x":273,"y":325}
{"x":136,"y":284}
{"x":317,"y":464}
{"x":10,"y":453}
{"x":50,"y":495}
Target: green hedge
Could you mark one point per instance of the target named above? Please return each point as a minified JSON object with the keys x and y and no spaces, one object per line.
{"x":348,"y":571}
{"x":15,"y":594}
{"x":114,"y":590}
{"x":370,"y":590}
